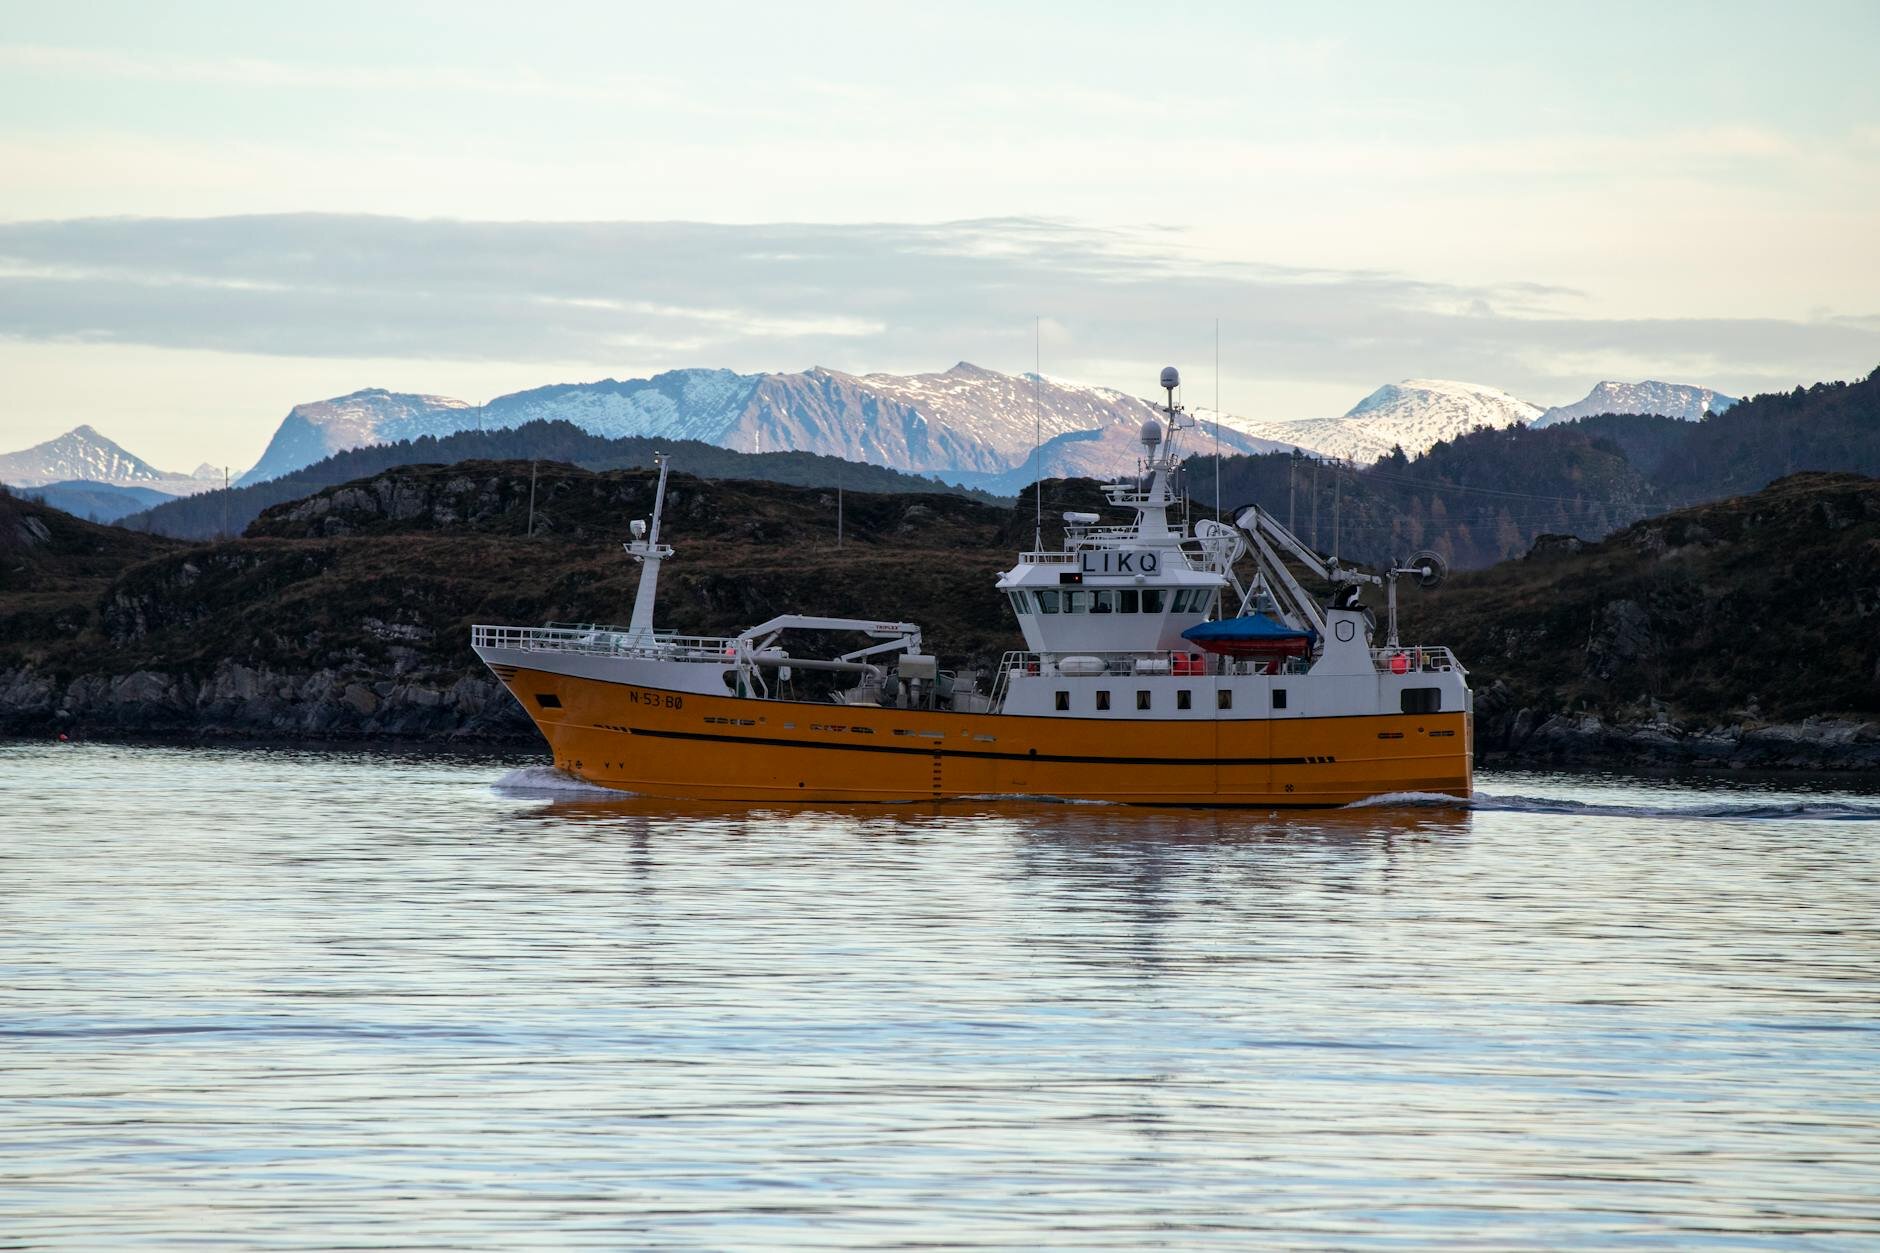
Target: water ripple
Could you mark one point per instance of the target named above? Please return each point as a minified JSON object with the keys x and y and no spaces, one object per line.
{"x":295,"y":999}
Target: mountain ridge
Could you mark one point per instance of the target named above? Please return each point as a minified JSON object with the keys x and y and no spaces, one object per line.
{"x":218,"y":512}
{"x":1413,"y":415}
{"x":1671,"y":400}
{"x":968,"y":424}
{"x":81,"y":453}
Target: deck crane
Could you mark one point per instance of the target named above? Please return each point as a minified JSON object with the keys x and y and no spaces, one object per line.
{"x":1270,"y":537}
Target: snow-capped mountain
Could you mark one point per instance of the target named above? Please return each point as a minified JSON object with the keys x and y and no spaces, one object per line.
{"x":83,"y":457}
{"x":679,"y":404}
{"x":80,"y":453}
{"x":1672,"y":400}
{"x":965,"y":424}
{"x":1414,"y":415}
{"x":315,"y":431}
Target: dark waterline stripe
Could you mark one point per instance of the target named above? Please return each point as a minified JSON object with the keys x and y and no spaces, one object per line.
{"x":959,"y":752}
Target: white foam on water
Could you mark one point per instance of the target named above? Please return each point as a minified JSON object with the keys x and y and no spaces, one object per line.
{"x":1741,"y":811}
{"x":1410,"y":800}
{"x":548,"y":781}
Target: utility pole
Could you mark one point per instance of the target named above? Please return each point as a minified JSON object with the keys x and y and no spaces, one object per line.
{"x":1338,"y":502}
{"x":1315,"y":502}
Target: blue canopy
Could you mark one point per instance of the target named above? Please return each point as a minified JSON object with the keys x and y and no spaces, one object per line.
{"x":1252,"y":629}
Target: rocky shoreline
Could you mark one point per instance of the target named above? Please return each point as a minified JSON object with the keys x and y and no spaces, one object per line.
{"x":238,"y":701}
{"x":1654,"y":739}
{"x":256,"y":703}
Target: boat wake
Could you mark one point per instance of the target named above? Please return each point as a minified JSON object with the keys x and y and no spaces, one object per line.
{"x":548,"y":781}
{"x":1742,"y":811}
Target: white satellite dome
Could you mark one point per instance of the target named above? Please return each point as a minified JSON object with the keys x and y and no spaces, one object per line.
{"x":1171,"y":377}
{"x":1151,"y":432}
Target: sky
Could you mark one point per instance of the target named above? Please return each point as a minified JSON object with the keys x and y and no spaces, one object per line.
{"x":209,"y":213}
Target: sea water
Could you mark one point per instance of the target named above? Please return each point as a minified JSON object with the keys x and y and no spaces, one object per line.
{"x":299,"y":999}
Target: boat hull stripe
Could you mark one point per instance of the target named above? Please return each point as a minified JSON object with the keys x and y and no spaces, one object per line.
{"x":965,"y":752}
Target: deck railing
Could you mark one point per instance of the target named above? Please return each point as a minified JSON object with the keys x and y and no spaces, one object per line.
{"x":1412,"y":659}
{"x":604,"y":641}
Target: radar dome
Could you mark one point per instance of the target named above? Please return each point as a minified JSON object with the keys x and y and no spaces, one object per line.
{"x":1151,"y":433}
{"x":1171,"y":377}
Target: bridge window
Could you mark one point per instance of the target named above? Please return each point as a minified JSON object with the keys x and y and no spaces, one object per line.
{"x":1184,"y":699}
{"x":1103,"y":700}
{"x":1103,"y":602}
{"x":1063,"y":701}
{"x":1076,"y":602}
{"x":1422,"y":700}
{"x":1130,"y":601}
{"x":1021,"y":604}
{"x":1193,"y":599}
{"x":1152,"y":599}
{"x":1047,"y":601}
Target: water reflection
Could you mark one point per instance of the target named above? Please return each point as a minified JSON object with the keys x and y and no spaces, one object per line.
{"x":306,"y":999}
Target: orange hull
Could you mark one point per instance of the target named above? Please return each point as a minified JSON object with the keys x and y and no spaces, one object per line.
{"x":680,"y":744}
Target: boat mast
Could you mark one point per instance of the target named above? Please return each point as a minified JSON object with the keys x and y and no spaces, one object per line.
{"x":649,"y":552}
{"x":1158,"y":441}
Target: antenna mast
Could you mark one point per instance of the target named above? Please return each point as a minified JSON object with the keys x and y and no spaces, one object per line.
{"x":649,"y":552}
{"x":1037,"y":448}
{"x":1217,"y":419}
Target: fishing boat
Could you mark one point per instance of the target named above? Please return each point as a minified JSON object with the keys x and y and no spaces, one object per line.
{"x":1153,"y":673}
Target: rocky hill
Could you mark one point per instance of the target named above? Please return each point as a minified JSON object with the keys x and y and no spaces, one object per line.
{"x":1476,"y":500}
{"x":97,"y":502}
{"x":222,"y":513}
{"x":53,"y":569}
{"x":348,"y":614}
{"x":1712,"y":635}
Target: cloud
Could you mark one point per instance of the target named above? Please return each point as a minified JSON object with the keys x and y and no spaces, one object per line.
{"x":145,"y":65}
{"x":636,"y":297}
